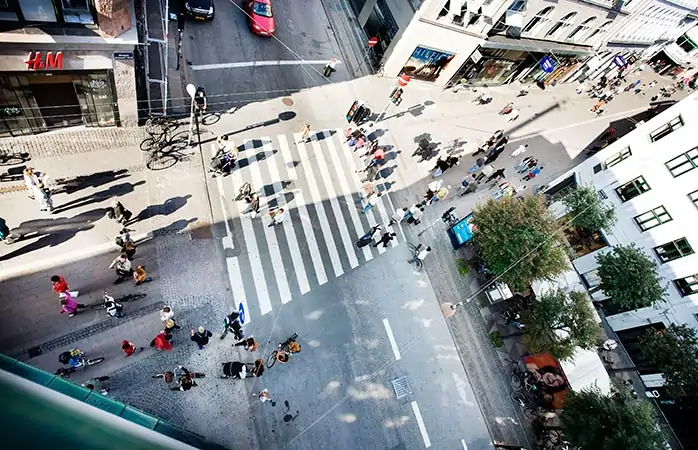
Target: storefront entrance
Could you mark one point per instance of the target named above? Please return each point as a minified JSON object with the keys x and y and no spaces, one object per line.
{"x":39,"y":102}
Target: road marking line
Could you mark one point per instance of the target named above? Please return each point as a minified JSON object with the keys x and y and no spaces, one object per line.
{"x":234,"y":65}
{"x":339,"y":217}
{"x":346,"y":191}
{"x":270,"y":234}
{"x":296,"y":258}
{"x":322,"y":216}
{"x":420,"y":424}
{"x":391,"y":338}
{"x":465,"y":447}
{"x":288,"y":157}
{"x":237,"y":286}
{"x":253,"y":254}
{"x":307,"y":226}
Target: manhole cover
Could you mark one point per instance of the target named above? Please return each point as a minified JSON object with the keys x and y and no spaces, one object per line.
{"x":401,"y":387}
{"x":287,"y":101}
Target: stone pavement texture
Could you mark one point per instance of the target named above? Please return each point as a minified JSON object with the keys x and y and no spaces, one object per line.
{"x":340,"y":383}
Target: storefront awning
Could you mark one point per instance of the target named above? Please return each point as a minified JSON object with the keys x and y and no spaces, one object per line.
{"x":585,"y":370}
{"x":533,"y":45}
{"x":675,"y":53}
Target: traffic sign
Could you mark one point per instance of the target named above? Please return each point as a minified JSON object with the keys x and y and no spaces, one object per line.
{"x":241,"y":311}
{"x":373,"y":41}
{"x":547,"y":64}
{"x":403,"y":80}
{"x":619,"y":61}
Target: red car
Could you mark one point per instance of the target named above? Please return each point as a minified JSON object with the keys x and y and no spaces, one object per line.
{"x":260,"y":17}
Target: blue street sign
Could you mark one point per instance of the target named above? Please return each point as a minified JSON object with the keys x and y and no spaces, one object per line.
{"x":619,"y":61}
{"x":547,"y":64}
{"x":241,"y":311}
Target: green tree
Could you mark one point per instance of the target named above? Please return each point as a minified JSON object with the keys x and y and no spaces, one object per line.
{"x":519,"y":240}
{"x":592,"y":420}
{"x":586,"y":211}
{"x":559,"y":322}
{"x":629,"y":277}
{"x":674,"y":352}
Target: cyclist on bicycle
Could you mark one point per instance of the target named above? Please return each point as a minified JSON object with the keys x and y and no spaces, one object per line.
{"x":74,"y":358}
{"x":283,"y":356}
{"x":423,"y":252}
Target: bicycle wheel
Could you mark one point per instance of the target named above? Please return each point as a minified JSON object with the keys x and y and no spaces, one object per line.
{"x":149,"y":144}
{"x":554,"y":437}
{"x":95,"y":361}
{"x":418,"y":264}
{"x":530,"y":413}
{"x":519,"y":399}
{"x":271,"y":359}
{"x":161,"y":161}
{"x":516,"y":381}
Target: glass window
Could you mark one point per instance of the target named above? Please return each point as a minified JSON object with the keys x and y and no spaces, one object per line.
{"x":262,"y":9}
{"x":683,"y":163}
{"x":561,"y":25}
{"x":694,"y":197}
{"x":518,"y":5}
{"x":673,"y":250}
{"x":687,"y":285}
{"x":538,"y":20}
{"x":38,"y":10}
{"x":666,"y":129}
{"x":582,"y":27}
{"x":602,"y":29}
{"x":632,"y":189}
{"x":77,"y":11}
{"x":618,"y":157}
{"x":7,"y":11}
{"x":653,"y":218}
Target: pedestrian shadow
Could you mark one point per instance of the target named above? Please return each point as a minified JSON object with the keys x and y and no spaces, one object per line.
{"x":52,"y":232}
{"x":284,"y":116}
{"x":113,"y":191}
{"x":385,"y":187}
{"x":75,"y":184}
{"x":175,"y":227}
{"x":261,"y":156}
{"x":323,"y":135}
{"x":268,"y":189}
{"x":414,"y":110}
{"x":168,"y":207}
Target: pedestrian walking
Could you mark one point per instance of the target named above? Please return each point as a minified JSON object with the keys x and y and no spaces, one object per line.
{"x":520,"y":150}
{"x":442,"y":165}
{"x":532,"y":174}
{"x":498,"y":174}
{"x":170,"y":326}
{"x":250,"y":344}
{"x":60,"y":287}
{"x":277,"y":216}
{"x":169,"y":378}
{"x":330,"y":67}
{"x":162,"y":341}
{"x":5,"y":234}
{"x":258,"y":368}
{"x":416,"y":213}
{"x":201,"y":337}
{"x":140,"y":276}
{"x":522,"y":166}
{"x":130,"y":348}
{"x":124,"y":237}
{"x":30,"y":180}
{"x":97,"y":385}
{"x":479,"y":163}
{"x":234,"y":369}
{"x":398,"y":216}
{"x":371,"y":201}
{"x":253,"y":206}
{"x":70,"y":306}
{"x":513,"y":115}
{"x":264,"y":396}
{"x":118,"y":212}
{"x":385,"y":239}
{"x":166,"y":313}
{"x":485,"y":172}
{"x":43,"y":195}
{"x":377,"y":157}
{"x":305,"y":133}
{"x":122,"y":265}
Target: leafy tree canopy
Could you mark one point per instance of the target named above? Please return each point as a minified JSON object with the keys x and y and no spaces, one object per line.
{"x":629,"y":277}
{"x":674,"y":352}
{"x":519,"y":240}
{"x":558,"y":323}
{"x":592,"y":420}
{"x":586,"y":211}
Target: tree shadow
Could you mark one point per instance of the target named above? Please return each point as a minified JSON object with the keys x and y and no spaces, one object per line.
{"x":112,"y":191}
{"x":168,"y":207}
{"x":52,"y":232}
{"x":75,"y":184}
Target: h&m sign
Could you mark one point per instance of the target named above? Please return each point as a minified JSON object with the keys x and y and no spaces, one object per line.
{"x":49,"y":60}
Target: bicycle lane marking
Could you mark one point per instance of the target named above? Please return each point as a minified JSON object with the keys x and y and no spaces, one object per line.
{"x":391,"y":338}
{"x":420,"y":424}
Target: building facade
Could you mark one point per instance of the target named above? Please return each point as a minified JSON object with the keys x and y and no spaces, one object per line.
{"x":66,"y":63}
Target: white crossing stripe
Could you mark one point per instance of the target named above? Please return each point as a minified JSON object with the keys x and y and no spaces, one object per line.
{"x":253,"y":254}
{"x":237,"y":286}
{"x":341,"y":225}
{"x":322,"y":217}
{"x":269,"y":232}
{"x":288,"y":157}
{"x":420,"y":424}
{"x":298,"y":266}
{"x":346,"y":192}
{"x":310,"y":239}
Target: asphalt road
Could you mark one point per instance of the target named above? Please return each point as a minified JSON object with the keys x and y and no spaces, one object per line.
{"x":303,"y":42}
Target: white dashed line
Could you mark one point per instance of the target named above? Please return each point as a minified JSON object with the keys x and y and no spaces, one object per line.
{"x":391,"y":338}
{"x":420,"y":424}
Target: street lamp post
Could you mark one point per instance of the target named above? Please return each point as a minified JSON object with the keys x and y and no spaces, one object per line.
{"x":193,"y":116}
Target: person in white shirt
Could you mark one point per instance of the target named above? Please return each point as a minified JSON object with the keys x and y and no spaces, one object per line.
{"x":421,"y":255}
{"x":520,"y":150}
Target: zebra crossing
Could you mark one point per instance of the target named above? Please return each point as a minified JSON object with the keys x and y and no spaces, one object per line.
{"x":318,"y":184}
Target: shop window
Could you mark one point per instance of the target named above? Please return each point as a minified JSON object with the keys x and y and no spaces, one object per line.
{"x":582,"y":241}
{"x":687,"y":285}
{"x":632,"y":189}
{"x":694,"y":198}
{"x":582,"y":28}
{"x":7,"y":11}
{"x":666,"y":129}
{"x":653,"y":218}
{"x":38,"y":10}
{"x":686,"y":44}
{"x":591,"y":279}
{"x":683,"y":163}
{"x":540,"y":19}
{"x":673,"y":250}
{"x":618,"y":157}
{"x":561,"y":25}
{"x":77,"y":11}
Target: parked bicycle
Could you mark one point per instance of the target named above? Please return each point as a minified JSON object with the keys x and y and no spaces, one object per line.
{"x":522,"y":379}
{"x":12,"y":158}
{"x":284,"y":351}
{"x":159,"y":125}
{"x":419,"y":252}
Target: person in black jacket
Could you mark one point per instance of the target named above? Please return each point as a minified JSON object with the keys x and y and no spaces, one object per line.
{"x":201,"y":337}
